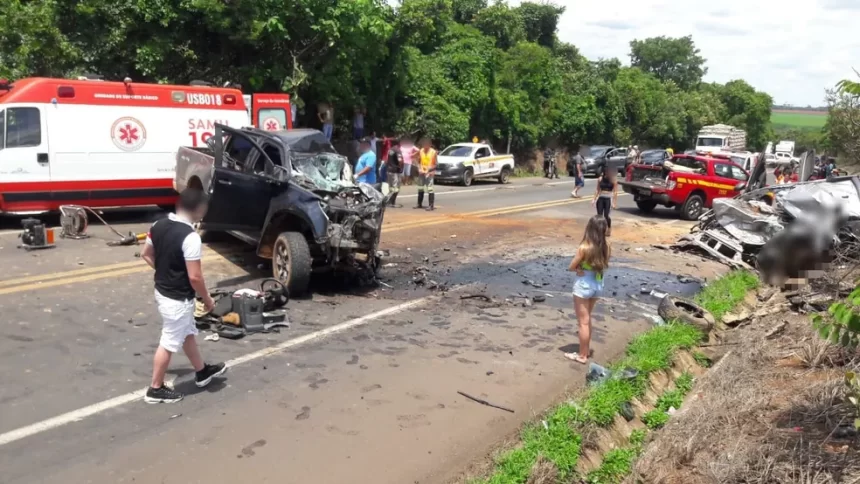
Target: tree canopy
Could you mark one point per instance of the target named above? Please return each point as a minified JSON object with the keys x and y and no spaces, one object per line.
{"x":448,"y":69}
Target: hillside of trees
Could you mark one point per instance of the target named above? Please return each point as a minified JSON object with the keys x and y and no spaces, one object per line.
{"x":450,"y":69}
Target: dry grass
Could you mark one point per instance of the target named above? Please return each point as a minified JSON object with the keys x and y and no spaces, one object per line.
{"x":543,"y":472}
{"x":756,"y":419}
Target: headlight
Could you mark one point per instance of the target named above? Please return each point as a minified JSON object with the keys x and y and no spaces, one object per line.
{"x":589,"y":160}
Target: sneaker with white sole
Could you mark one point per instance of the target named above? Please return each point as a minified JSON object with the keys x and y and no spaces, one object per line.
{"x":205,"y":376}
{"x":163,"y":394}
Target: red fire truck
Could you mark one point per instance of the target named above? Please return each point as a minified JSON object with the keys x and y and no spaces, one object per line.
{"x":105,"y":144}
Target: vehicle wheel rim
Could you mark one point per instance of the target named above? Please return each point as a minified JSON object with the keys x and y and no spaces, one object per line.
{"x":467,"y":178}
{"x":282,"y":262}
{"x":695,"y":207}
{"x":505,"y":176}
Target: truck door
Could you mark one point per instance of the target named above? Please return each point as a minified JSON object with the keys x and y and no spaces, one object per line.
{"x":239,"y":192}
{"x":271,"y":112}
{"x":726,"y":178}
{"x":25,"y":167}
{"x":483,"y":160}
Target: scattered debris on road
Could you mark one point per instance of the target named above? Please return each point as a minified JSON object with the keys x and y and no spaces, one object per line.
{"x":484,"y":402}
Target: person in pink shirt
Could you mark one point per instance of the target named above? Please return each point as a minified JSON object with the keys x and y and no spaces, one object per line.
{"x":408,"y":150}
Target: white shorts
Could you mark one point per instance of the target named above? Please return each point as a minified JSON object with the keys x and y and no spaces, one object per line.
{"x":178,"y":321}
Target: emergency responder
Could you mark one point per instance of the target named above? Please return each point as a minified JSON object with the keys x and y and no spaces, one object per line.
{"x":427,"y":159}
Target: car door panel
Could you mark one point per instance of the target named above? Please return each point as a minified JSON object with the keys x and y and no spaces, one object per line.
{"x":239,"y":197}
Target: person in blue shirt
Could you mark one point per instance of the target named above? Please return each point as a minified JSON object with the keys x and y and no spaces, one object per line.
{"x":365,"y":167}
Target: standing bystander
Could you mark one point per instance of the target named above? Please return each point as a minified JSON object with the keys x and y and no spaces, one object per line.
{"x":358,"y":123}
{"x":365,"y":167}
{"x":174,"y":250}
{"x":326,"y":117}
{"x":426,"y":172}
{"x":408,"y":151}
{"x":578,"y":173}
{"x":393,"y":167}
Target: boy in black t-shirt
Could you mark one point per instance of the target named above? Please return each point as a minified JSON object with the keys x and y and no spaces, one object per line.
{"x":174,"y":249}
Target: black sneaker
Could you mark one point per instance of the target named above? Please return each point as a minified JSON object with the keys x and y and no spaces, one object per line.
{"x":205,"y":376}
{"x":165,"y":394}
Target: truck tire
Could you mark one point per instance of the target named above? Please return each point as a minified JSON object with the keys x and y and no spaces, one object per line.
{"x":685,"y":311}
{"x":468,"y":176}
{"x":291,"y":262}
{"x":646,"y":206}
{"x":505,"y":176}
{"x":693,"y":207}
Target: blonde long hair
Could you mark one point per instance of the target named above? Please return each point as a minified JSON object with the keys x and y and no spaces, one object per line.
{"x":594,"y":246}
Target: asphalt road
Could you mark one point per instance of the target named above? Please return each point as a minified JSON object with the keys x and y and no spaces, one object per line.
{"x":365,"y":379}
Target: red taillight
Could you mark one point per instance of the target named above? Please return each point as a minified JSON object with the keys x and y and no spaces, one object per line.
{"x":229,"y":99}
{"x":65,"y":91}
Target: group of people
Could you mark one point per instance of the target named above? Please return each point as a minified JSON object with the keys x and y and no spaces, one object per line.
{"x":396,"y":166}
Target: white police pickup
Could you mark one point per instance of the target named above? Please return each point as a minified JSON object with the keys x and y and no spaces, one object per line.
{"x":464,"y":162}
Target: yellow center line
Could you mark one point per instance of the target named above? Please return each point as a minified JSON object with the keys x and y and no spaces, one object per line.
{"x":41,"y":279}
{"x":479,"y":213}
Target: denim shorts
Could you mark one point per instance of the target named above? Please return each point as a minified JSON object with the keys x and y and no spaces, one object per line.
{"x":580,"y":182}
{"x":587,"y":286}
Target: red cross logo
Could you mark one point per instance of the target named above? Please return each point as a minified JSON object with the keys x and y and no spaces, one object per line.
{"x":271,"y":124}
{"x":128,"y":134}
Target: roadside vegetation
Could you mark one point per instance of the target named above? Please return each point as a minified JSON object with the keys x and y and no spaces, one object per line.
{"x":553,"y":446}
{"x":449,"y":69}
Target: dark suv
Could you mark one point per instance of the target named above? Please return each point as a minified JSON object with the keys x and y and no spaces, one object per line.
{"x":289,"y":194}
{"x":598,"y":157}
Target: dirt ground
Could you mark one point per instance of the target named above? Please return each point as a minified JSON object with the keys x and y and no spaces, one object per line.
{"x":772,"y":409}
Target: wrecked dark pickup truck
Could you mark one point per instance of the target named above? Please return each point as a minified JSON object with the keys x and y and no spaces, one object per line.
{"x":289,"y":194}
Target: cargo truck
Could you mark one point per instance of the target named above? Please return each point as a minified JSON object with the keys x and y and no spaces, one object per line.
{"x":721,"y":138}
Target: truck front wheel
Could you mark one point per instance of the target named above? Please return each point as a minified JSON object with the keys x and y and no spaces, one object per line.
{"x":693,"y":207}
{"x":291,"y":262}
{"x":646,"y":206}
{"x":468,"y":175}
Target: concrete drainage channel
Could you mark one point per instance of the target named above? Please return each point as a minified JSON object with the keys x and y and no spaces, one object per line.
{"x":597,"y":437}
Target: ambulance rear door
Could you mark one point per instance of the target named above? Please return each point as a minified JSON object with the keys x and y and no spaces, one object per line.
{"x":25,"y":161}
{"x":271,"y":112}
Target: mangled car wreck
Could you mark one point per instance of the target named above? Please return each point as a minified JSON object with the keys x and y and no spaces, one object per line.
{"x":783,"y":231}
{"x":289,"y":194}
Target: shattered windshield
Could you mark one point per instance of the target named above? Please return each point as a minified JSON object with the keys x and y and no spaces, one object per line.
{"x":325,"y":170}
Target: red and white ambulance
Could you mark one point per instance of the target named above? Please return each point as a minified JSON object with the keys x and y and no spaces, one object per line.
{"x":105,"y":144}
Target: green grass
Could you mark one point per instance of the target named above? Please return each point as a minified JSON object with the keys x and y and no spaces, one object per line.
{"x":702,"y":359}
{"x":560,"y":441}
{"x":617,"y":463}
{"x":670,"y":399}
{"x":798,"y":120}
{"x":727,"y":292}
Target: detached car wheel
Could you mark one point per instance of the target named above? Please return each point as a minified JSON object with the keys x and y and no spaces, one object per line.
{"x":291,"y":262}
{"x":646,"y":206}
{"x":468,"y":175}
{"x":693,"y":207}
{"x":505,"y":176}
{"x":685,"y":311}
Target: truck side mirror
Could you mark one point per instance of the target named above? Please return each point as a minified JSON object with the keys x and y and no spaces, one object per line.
{"x":740,"y":186}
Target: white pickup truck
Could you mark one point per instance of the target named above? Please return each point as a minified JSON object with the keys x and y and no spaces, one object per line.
{"x":464,"y":162}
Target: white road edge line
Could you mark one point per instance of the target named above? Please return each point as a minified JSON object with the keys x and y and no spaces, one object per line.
{"x":89,"y":411}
